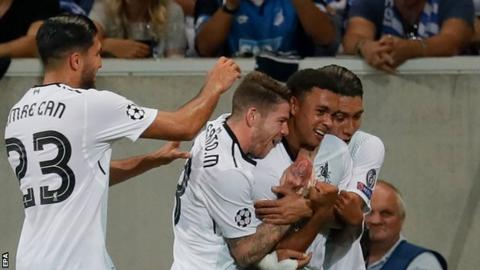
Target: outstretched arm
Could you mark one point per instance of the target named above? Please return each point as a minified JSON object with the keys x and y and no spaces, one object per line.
{"x":121,"y":170}
{"x":185,"y":123}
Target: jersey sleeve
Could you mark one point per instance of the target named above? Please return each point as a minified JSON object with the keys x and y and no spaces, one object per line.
{"x":346,"y":171}
{"x":228,"y":199}
{"x":110,"y":117}
{"x":333,"y":163}
{"x":367,"y":162}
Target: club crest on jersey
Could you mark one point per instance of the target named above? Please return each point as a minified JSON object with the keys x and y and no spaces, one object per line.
{"x":371,"y":177}
{"x":325,"y":173}
{"x":364,"y":189}
{"x":243,"y":217}
{"x":135,"y":112}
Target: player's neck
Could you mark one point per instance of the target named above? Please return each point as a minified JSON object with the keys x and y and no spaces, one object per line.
{"x":293,"y":144}
{"x":60,"y":77}
{"x":241,"y":132}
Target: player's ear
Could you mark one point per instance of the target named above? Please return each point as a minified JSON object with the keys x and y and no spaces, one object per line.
{"x":293,"y":105}
{"x":75,"y":61}
{"x":251,"y":116}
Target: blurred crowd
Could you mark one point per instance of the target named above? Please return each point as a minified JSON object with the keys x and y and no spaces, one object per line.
{"x":385,"y":33}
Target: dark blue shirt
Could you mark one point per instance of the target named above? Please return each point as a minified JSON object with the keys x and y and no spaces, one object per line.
{"x":387,"y":20}
{"x":273,"y":26}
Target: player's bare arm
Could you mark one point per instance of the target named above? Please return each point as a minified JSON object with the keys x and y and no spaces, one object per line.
{"x":121,"y":170}
{"x":283,"y":211}
{"x":348,"y":208}
{"x":185,"y":123}
{"x":249,"y":250}
{"x":322,"y":197}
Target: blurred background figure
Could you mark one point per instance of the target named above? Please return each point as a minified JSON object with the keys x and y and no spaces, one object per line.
{"x":387,"y":249}
{"x":79,"y":7}
{"x":188,"y":7}
{"x":140,"y":28}
{"x":389,"y":32}
{"x":476,"y":37}
{"x":338,"y":12}
{"x":19,"y":22}
{"x":249,"y":27}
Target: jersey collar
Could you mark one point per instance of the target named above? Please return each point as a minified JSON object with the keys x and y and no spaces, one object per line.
{"x":235,"y":141}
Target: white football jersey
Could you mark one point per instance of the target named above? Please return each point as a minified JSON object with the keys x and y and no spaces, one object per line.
{"x":368,"y":154}
{"x":213,"y":200}
{"x":332,"y":164}
{"x":58,"y":142}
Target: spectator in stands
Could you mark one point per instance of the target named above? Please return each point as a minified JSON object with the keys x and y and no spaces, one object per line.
{"x":188,"y":7}
{"x":476,"y":36}
{"x":248,"y":27}
{"x":337,"y":10}
{"x":387,"y":248}
{"x":388,"y":32}
{"x":79,"y":7}
{"x":140,"y":28}
{"x":19,"y":22}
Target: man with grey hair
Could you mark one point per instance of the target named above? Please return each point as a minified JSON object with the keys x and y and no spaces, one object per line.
{"x":387,"y":249}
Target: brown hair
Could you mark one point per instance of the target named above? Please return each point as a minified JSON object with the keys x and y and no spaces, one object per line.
{"x":259,"y":90}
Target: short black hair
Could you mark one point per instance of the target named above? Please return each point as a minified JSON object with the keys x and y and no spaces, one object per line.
{"x":259,"y":90}
{"x":62,"y":34}
{"x":303,"y":81}
{"x":348,"y":83}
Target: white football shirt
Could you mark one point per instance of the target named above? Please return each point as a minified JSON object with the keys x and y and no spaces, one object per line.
{"x":332,"y":164}
{"x":367,"y":153}
{"x":213,"y":200}
{"x":58,"y":141}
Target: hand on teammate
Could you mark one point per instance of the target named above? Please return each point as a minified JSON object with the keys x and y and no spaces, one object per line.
{"x":348,"y":208}
{"x":290,"y":208}
{"x":168,"y":153}
{"x":322,"y":196}
{"x":302,"y":258}
{"x":222,"y":76}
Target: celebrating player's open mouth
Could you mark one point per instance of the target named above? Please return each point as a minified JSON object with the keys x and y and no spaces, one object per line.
{"x":319,"y":133}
